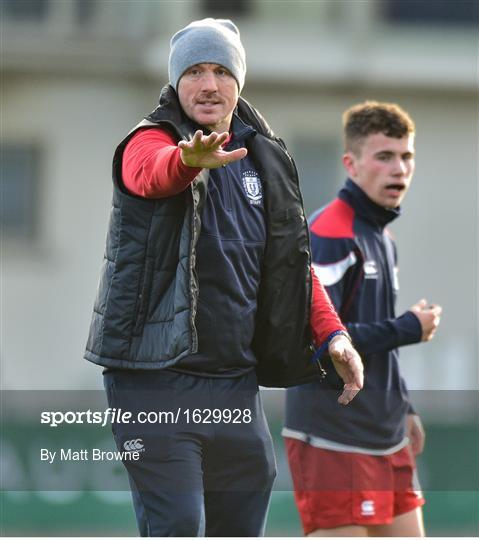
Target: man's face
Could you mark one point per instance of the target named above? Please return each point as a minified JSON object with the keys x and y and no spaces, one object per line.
{"x":208,"y":94}
{"x":382,"y":167}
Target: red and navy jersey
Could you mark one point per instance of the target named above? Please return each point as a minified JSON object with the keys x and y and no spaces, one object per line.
{"x":355,"y":257}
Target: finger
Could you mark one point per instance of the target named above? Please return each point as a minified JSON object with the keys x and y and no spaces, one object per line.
{"x":220,"y":138}
{"x":359,"y":379}
{"x":215,"y":139}
{"x":355,"y":365}
{"x":197,"y":136}
{"x":419,"y":305}
{"x":208,"y":140}
{"x":434,"y":325}
{"x":234,"y":155}
{"x":431,"y":334}
{"x":184,"y":145}
{"x":352,"y":374}
{"x":415,"y":447}
{"x":348,"y":394}
{"x":197,"y":141}
{"x":194,"y":141}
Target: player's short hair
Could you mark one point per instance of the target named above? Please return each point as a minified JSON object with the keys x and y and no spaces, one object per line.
{"x":370,"y":117}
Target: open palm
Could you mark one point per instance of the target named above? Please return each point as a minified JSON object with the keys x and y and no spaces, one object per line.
{"x":205,"y":152}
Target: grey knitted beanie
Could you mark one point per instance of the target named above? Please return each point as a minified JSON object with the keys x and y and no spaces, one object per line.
{"x":209,"y":41}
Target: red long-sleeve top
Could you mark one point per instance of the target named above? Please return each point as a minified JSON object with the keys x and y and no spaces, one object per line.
{"x":152,"y":168}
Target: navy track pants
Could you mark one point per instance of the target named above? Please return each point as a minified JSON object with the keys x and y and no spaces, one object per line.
{"x":206,"y":464}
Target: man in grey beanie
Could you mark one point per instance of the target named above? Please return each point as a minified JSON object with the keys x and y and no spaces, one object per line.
{"x":206,"y":291}
{"x":215,"y":41}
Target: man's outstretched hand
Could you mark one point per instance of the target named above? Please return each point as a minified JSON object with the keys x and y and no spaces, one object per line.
{"x":205,"y":152}
{"x":349,"y":366}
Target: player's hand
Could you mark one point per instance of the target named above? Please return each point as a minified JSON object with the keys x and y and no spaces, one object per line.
{"x":205,"y":152}
{"x":429,"y":318}
{"x":349,"y":366}
{"x":416,"y":433}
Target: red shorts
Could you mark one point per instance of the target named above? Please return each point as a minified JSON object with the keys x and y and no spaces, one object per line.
{"x":333,"y":488}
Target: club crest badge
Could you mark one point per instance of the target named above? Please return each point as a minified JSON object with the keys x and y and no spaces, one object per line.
{"x":252,"y":187}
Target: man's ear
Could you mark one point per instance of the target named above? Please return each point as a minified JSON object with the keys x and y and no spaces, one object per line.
{"x":349,"y":163}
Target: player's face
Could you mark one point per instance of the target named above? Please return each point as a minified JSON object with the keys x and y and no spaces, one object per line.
{"x":208,"y":94}
{"x":382,"y":167}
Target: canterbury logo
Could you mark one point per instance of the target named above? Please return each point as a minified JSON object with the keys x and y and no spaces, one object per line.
{"x":367,"y":508}
{"x":370,"y":270}
{"x":134,"y":445}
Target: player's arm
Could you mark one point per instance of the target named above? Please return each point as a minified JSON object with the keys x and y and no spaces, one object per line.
{"x":154,"y":166}
{"x":385,"y":335}
{"x":414,"y":428}
{"x":417,"y":324}
{"x":330,"y":334}
{"x":338,"y":265}
{"x":429,"y":317}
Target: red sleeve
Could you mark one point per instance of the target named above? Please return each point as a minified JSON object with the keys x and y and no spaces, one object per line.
{"x":324,"y":319}
{"x":152,"y":166}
